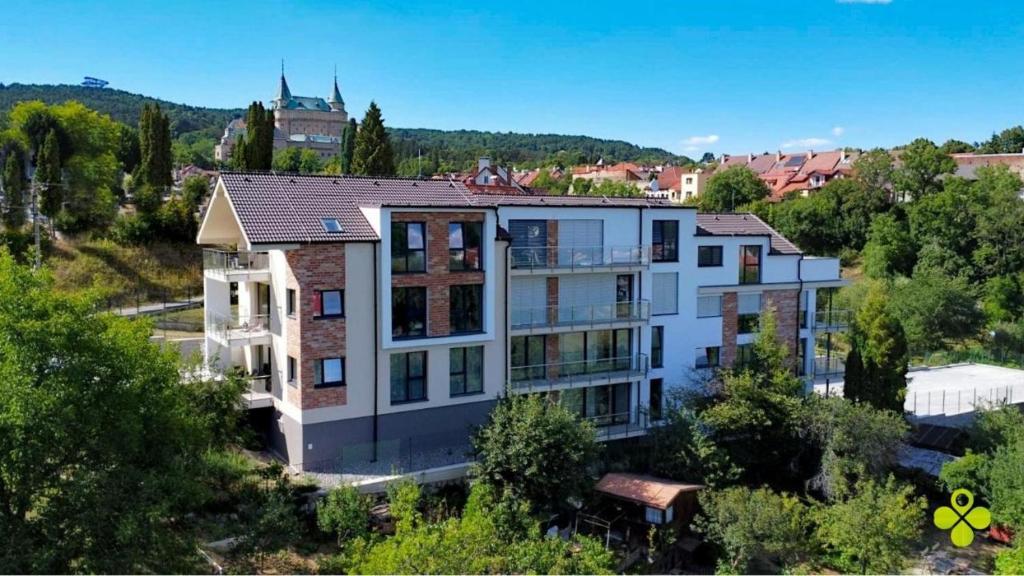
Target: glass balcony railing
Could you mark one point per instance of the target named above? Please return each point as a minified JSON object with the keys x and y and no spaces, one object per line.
{"x":825,"y":367}
{"x":539,"y":377}
{"x":239,"y":327}
{"x":580,"y":257}
{"x":585,"y":315}
{"x":237,"y":261}
{"x":832,"y":320}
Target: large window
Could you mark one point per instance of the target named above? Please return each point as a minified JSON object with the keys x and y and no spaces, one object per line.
{"x":464,"y":251}
{"x":665,"y":244}
{"x":657,"y":399}
{"x":528,"y":358}
{"x":408,"y":377}
{"x":708,"y":357}
{"x":595,"y":351}
{"x":709,"y":306}
{"x":748,"y":313}
{"x":602,"y":405}
{"x":329,"y":372}
{"x":465,"y":312}
{"x":708,"y":256}
{"x":408,"y":247}
{"x":657,"y":350}
{"x":744,"y":355}
{"x":408,"y":312}
{"x":466,"y":372}
{"x":750,"y":264}
{"x":665,"y":293}
{"x":329,"y":304}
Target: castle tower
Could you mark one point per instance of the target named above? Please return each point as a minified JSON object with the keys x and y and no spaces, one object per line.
{"x":283,"y":93}
{"x":335,"y":101}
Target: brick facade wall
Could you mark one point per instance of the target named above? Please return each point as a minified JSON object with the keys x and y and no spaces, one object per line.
{"x":311,"y":268}
{"x":437,"y":279}
{"x":552,"y":355}
{"x":786,"y":304}
{"x":553,"y":243}
{"x":729,"y":329}
{"x":552,"y":301}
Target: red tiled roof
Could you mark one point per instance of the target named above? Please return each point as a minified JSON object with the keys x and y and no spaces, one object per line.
{"x":647,"y":490}
{"x":670,"y":178}
{"x":740,"y":224}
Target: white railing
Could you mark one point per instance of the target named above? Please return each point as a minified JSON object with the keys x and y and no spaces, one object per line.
{"x":569,"y":315}
{"x":236,"y":261}
{"x":954,"y":401}
{"x":575,"y":257}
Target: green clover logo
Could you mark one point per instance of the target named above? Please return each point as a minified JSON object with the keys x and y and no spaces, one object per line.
{"x":962,"y":519}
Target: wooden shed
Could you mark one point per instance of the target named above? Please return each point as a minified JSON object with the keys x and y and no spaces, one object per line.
{"x":656,"y":501}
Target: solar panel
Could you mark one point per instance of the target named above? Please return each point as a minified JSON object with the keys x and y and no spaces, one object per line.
{"x":795,"y":161}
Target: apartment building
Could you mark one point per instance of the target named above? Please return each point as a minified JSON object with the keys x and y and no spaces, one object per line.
{"x":371,"y":312}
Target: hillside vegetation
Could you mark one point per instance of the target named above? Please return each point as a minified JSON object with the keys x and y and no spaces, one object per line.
{"x":441,"y":149}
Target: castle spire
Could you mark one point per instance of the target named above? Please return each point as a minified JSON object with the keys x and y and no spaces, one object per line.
{"x":335,"y":100}
{"x":283,"y":93}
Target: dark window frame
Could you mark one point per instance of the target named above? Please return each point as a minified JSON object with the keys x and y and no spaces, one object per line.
{"x":750,"y":273}
{"x":291,"y":299}
{"x":465,"y":249}
{"x":407,"y":356}
{"x":318,"y":308}
{"x":744,"y":355}
{"x":292,"y":374}
{"x":453,"y":375}
{"x":459,"y":321}
{"x":710,"y":256}
{"x":666,"y":250}
{"x":318,"y":371}
{"x":401,"y":253}
{"x":707,"y":362}
{"x":529,"y":370}
{"x":407,"y":308}
{"x":656,"y":411}
{"x":658,"y":357}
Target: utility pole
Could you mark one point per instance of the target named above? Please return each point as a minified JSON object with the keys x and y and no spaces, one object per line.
{"x":419,"y":162}
{"x":35,"y":223}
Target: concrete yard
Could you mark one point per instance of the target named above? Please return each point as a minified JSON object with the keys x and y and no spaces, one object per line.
{"x":961,"y":388}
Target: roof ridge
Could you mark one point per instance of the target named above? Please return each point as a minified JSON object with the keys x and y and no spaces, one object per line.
{"x":332,"y":176}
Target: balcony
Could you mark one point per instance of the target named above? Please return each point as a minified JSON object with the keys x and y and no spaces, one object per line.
{"x":236,"y":266}
{"x":577,"y":259}
{"x":558,"y":375}
{"x":828,"y":370}
{"x":240,"y":330}
{"x":832,"y":320}
{"x":552,"y":318}
{"x":621,"y":425}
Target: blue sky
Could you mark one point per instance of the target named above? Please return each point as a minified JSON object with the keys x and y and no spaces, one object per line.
{"x":726,"y":76}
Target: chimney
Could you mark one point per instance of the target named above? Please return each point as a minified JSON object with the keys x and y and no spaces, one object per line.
{"x":484,"y":162}
{"x":810,"y":154}
{"x":842,"y":155}
{"x":750,"y":158}
{"x":778,"y":156}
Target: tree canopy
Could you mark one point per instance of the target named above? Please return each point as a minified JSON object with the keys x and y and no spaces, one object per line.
{"x":373,"y":155}
{"x":735,"y":186}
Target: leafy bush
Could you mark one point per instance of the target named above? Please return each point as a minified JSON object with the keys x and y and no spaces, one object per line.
{"x":1011,"y":561}
{"x":131,"y":230}
{"x":345,"y":513}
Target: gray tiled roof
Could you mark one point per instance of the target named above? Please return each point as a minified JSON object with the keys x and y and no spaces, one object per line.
{"x":285,"y":208}
{"x":735,"y":224}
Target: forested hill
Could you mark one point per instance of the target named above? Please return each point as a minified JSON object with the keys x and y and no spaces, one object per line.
{"x":441,"y":149}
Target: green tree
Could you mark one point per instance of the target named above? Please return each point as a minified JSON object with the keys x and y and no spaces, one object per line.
{"x":935,"y":310}
{"x":536,"y":450}
{"x":348,"y":145}
{"x":345,"y":513}
{"x":889,"y":250}
{"x":759,"y":531}
{"x":953,"y":146}
{"x":258,"y":152}
{"x":874,"y":530}
{"x":270,"y":523}
{"x":814,"y":223}
{"x":373,"y":155}
{"x":49,"y":177}
{"x":14,"y":190}
{"x":881,"y":344}
{"x":682,"y":449}
{"x":287,"y":160}
{"x":102,"y":442}
{"x":155,"y":163}
{"x":922,"y":165}
{"x":1011,"y":561}
{"x":128,"y":150}
{"x":732,"y":187}
{"x":310,"y":162}
{"x":873,"y":170}
{"x":1009,"y":141}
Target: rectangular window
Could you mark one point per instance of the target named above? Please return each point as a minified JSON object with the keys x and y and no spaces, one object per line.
{"x":466,"y":372}
{"x":665,"y":291}
{"x":464,"y":251}
{"x":744,"y":355}
{"x":750,"y":264}
{"x":408,"y":377}
{"x":408,"y":312}
{"x":652,"y":515}
{"x":290,"y":302}
{"x":748,"y":313}
{"x":466,"y":310}
{"x":293,"y":371}
{"x":408,"y":247}
{"x":709,"y":306}
{"x":528,"y":358}
{"x":708,"y":256}
{"x":329,"y":304}
{"x":708,"y":357}
{"x":657,"y":357}
{"x":665,"y":244}
{"x":329,"y":372}
{"x":657,"y":399}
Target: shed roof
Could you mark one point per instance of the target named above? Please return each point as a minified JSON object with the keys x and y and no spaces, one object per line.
{"x":646,"y":490}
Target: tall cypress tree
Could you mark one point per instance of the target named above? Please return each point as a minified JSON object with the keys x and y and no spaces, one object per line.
{"x":155,"y":148}
{"x":881,"y":344}
{"x":348,"y":145}
{"x":259,"y":139}
{"x":14,"y":190}
{"x":48,"y":176}
{"x":373,"y":155}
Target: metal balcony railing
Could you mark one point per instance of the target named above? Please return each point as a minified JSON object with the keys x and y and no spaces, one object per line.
{"x":825,"y":367}
{"x":585,"y":315}
{"x":832,"y":319}
{"x":240,"y":327}
{"x":580,"y":257}
{"x":539,"y":377}
{"x":237,"y":261}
